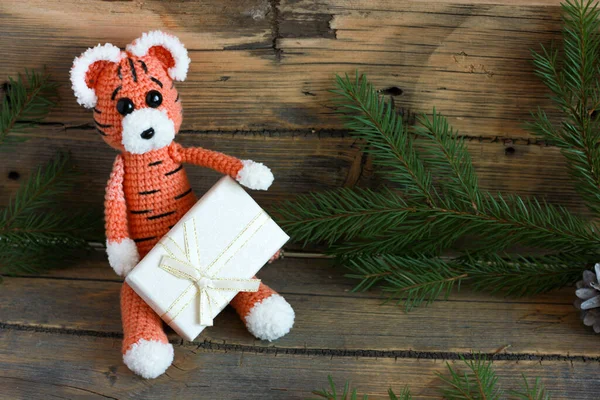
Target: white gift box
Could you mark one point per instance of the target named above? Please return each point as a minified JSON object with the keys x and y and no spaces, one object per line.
{"x":208,"y":257}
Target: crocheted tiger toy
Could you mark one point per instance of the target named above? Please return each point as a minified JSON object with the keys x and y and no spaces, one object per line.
{"x":138,"y":111}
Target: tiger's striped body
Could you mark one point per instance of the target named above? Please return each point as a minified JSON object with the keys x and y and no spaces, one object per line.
{"x":157,"y":194}
{"x":137,"y":111}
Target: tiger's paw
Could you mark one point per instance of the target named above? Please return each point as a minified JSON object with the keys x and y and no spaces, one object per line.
{"x":149,"y":358}
{"x":122,"y":256}
{"x":255,"y":175}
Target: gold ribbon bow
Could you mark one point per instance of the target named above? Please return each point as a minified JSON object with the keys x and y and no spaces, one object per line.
{"x":186,"y":265}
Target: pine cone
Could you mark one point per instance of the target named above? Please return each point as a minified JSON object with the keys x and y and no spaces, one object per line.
{"x":588,"y":293}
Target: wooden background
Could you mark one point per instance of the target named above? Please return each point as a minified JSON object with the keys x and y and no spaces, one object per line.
{"x":258,"y":88}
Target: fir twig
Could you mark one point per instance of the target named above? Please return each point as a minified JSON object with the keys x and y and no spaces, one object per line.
{"x":27,"y":100}
{"x":413,"y":280}
{"x":395,"y":237}
{"x":448,"y":157}
{"x":332,"y":394}
{"x":375,"y":121}
{"x":34,"y":235}
{"x":479,"y":382}
{"x":572,"y":77}
{"x":537,"y":391}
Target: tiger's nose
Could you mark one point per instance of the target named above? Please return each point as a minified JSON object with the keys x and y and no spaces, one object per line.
{"x":148,"y":134}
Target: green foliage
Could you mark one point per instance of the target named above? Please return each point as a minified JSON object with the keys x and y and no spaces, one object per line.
{"x":572,"y":77}
{"x":409,"y":280}
{"x":34,"y":233}
{"x":342,"y":214}
{"x":376,"y":122}
{"x":332,"y":394}
{"x":395,"y":236}
{"x":531,"y":392}
{"x":27,"y":100}
{"x":478,"y":382}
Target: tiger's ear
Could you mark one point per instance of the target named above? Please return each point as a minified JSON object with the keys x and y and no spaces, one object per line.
{"x":86,"y":69}
{"x":167,"y":49}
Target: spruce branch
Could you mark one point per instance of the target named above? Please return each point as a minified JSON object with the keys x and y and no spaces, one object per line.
{"x":417,"y":279}
{"x":572,"y":77}
{"x":332,"y":394}
{"x":27,"y":100}
{"x":342,"y":214}
{"x":536,"y":391}
{"x":448,"y":157}
{"x":478,"y":382}
{"x":395,"y":237}
{"x":376,"y":122}
{"x":34,"y":236}
{"x":408,"y":280}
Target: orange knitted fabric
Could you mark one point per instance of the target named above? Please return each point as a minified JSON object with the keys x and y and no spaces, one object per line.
{"x":244,"y":302}
{"x":139,"y":320}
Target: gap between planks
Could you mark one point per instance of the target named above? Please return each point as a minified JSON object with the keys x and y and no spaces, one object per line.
{"x":325,"y":352}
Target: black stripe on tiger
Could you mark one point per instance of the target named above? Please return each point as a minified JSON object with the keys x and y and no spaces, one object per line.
{"x":102,"y":125}
{"x":144,"y":239}
{"x":144,"y":66}
{"x":140,"y":211}
{"x":100,"y":131}
{"x":149,"y":192}
{"x":132,"y":67}
{"x":152,"y":164}
{"x":159,"y":83}
{"x":179,"y":196}
{"x":161,"y":215}
{"x":119,"y":73}
{"x":97,"y":111}
{"x":114,"y":94}
{"x":174,"y":171}
{"x":177,"y":99}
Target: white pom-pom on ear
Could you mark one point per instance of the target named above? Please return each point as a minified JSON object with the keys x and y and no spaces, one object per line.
{"x":86,"y":96}
{"x":141,"y":46}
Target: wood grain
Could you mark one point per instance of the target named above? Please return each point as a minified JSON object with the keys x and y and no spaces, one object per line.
{"x":301,"y":163}
{"x":258,"y":88}
{"x":44,"y":365}
{"x":257,"y":67}
{"x":324,"y":307}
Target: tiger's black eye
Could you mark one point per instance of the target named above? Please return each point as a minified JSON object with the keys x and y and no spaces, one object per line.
{"x":153,"y":98}
{"x":125,"y":106}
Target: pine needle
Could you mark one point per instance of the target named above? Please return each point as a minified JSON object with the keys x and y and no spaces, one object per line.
{"x":352,"y":394}
{"x":536,"y":391}
{"x":34,"y":234}
{"x":27,"y":100}
{"x":478,"y":382}
{"x":572,"y":77}
{"x":375,"y":121}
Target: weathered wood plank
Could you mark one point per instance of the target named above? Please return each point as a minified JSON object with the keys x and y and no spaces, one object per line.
{"x":254,"y":68}
{"x":301,"y":163}
{"x":324,"y":307}
{"x":44,"y":365}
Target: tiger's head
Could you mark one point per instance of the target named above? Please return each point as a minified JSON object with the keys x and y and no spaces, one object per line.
{"x":136,"y":106}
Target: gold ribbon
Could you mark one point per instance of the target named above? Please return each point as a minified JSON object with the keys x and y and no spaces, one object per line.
{"x":185,"y":264}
